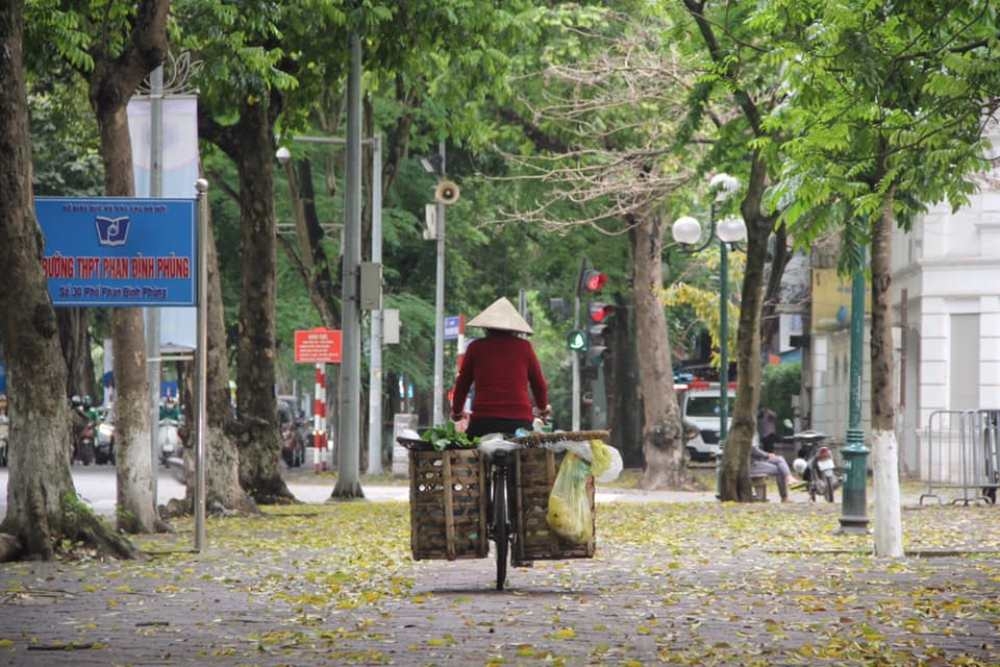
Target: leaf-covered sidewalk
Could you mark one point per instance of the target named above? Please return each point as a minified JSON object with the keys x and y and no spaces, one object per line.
{"x":697,"y":583}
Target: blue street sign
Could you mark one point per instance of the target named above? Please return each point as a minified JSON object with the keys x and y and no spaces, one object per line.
{"x":452,"y":327}
{"x":119,"y":251}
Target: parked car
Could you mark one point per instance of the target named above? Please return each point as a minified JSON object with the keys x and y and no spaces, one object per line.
{"x":700,"y":407}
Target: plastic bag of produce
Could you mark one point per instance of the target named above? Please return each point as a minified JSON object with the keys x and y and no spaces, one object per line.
{"x":605,"y":462}
{"x":569,"y":514}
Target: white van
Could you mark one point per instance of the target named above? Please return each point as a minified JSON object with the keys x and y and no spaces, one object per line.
{"x":700,"y":408}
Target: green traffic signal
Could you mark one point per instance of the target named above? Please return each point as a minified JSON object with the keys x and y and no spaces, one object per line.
{"x":576,"y":340}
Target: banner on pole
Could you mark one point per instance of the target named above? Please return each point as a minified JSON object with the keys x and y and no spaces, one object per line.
{"x":119,"y":251}
{"x":179,"y":173}
{"x":317,"y":346}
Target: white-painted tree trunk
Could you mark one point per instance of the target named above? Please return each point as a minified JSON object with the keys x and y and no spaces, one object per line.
{"x":136,"y":504}
{"x":888,"y":516}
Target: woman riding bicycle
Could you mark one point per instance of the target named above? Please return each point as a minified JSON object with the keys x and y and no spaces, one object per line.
{"x":501,"y":367}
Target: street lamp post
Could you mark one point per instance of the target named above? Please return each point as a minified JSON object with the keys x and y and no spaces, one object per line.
{"x":854,"y":517}
{"x":687,"y":231}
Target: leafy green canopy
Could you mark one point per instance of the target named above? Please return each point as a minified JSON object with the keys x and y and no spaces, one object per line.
{"x":878,"y":97}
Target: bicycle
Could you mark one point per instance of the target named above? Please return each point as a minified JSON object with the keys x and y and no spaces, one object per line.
{"x":499,"y":527}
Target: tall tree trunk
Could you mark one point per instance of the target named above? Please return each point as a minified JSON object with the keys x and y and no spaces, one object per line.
{"x":223,"y":493}
{"x":735,"y":477}
{"x":112,"y":84}
{"x":622,"y":373}
{"x":321,"y":284}
{"x":770,"y":325}
{"x":885,"y":452}
{"x":662,"y":439}
{"x":260,"y":474}
{"x":74,"y":336}
{"x":42,"y":506}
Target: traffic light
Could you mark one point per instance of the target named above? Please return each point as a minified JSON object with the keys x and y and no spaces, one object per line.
{"x":577,"y":341}
{"x":599,"y":314}
{"x":596,"y":348}
{"x":592,"y":281}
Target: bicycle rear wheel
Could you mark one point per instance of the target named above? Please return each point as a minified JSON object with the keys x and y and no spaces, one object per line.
{"x":500,"y":528}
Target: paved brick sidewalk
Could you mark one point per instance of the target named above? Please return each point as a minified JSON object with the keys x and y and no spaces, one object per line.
{"x":727,"y":586}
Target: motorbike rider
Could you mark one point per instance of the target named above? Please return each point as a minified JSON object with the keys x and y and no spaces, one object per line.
{"x":80,"y":420}
{"x":170,"y":409}
{"x":4,"y":429}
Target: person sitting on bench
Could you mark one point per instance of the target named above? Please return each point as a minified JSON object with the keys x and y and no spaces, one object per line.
{"x":765,"y":464}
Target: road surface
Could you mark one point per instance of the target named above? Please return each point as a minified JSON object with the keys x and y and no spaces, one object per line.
{"x":97,"y":485}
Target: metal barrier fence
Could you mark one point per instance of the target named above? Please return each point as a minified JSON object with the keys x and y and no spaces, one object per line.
{"x":962,"y":453}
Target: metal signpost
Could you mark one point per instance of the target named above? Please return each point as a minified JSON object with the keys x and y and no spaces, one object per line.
{"x":134,"y":252}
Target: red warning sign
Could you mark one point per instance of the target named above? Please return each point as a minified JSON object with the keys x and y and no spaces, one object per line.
{"x":317,"y":346}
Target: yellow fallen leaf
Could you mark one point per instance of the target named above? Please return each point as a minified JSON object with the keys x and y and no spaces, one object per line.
{"x":563,"y":633}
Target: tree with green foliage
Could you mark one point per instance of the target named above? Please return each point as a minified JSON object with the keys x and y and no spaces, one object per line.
{"x":246,"y":71}
{"x":43,"y":509}
{"x":734,"y":95}
{"x":884,"y":113}
{"x":67,"y":162}
{"x":113,"y":46}
{"x":599,"y":109}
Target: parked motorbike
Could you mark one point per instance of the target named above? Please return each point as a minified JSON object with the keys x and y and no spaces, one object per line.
{"x":816,"y":466}
{"x":104,"y":447}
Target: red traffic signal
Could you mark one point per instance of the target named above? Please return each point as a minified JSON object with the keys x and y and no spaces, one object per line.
{"x":600,"y":312}
{"x":593,"y":281}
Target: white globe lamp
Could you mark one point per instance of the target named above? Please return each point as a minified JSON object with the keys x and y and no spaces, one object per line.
{"x":686,"y":230}
{"x":724,"y":184}
{"x":731,"y":230}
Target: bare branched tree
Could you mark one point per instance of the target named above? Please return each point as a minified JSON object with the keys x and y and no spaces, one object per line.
{"x":605,"y":129}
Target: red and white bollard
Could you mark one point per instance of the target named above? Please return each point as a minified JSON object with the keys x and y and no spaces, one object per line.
{"x":319,"y":420}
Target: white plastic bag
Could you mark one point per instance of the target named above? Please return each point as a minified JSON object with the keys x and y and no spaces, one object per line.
{"x":495,"y":442}
{"x":610,"y":459}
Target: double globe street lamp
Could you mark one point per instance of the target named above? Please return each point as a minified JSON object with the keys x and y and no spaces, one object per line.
{"x":687,"y":231}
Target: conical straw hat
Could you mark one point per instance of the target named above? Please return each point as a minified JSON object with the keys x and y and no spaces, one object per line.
{"x":501,"y":315}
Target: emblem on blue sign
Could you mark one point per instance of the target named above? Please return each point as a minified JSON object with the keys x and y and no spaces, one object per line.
{"x":112,"y":231}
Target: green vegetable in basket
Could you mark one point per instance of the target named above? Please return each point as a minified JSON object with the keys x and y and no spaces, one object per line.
{"x":448,"y":437}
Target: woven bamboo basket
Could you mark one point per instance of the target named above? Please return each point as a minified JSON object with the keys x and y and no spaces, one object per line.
{"x":447,"y":504}
{"x":535,"y":473}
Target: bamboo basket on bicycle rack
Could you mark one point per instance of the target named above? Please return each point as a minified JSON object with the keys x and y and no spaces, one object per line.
{"x":535,"y":473}
{"x":447,"y":502}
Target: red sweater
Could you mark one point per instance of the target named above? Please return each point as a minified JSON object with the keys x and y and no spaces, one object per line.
{"x":501,"y":366}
